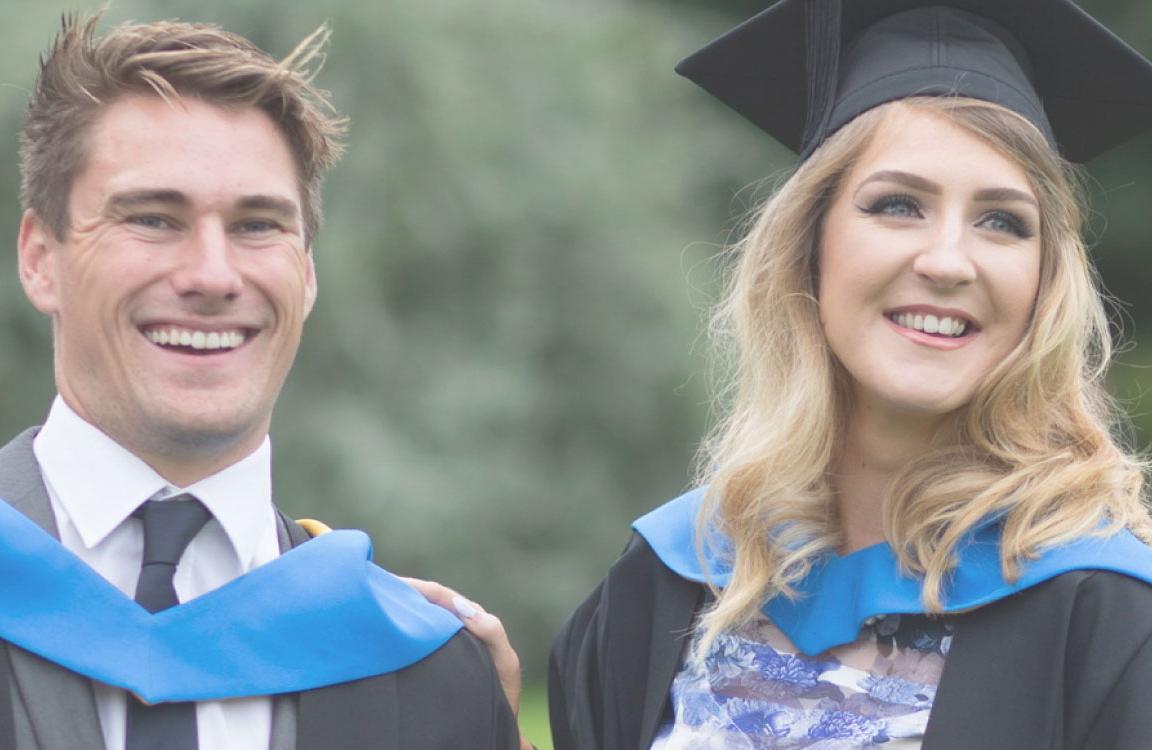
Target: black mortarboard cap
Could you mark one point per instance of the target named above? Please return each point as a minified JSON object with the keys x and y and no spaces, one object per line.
{"x":803,"y":68}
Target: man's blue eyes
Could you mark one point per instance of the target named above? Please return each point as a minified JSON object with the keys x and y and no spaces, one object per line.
{"x":151,"y":222}
{"x":251,"y":226}
{"x":258,"y":226}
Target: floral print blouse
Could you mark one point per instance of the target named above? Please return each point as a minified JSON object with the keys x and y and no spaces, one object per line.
{"x":754,"y":691}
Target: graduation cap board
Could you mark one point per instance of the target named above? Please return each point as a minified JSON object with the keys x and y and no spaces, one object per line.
{"x":803,"y":68}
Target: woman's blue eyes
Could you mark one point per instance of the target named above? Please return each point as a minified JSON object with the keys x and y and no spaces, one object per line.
{"x":907,"y":207}
{"x":894,"y":205}
{"x":1004,"y":221}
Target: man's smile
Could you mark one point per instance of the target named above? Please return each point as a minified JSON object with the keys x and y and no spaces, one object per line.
{"x":196,"y":339}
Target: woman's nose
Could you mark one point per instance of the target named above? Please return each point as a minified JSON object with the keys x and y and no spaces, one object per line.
{"x":946,"y":260}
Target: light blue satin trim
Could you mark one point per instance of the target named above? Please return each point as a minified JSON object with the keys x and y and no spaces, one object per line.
{"x":840,"y":593}
{"x":319,"y":614}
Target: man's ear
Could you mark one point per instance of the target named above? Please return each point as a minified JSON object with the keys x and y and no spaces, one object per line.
{"x":38,"y":263}
{"x":309,"y":285}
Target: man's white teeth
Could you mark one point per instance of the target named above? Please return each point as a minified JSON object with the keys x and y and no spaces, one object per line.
{"x":195,"y":339}
{"x":931,"y":324}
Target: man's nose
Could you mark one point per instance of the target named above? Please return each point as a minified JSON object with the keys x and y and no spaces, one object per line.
{"x":208,"y":264}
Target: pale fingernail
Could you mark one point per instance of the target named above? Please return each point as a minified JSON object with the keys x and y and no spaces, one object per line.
{"x":465,"y":608}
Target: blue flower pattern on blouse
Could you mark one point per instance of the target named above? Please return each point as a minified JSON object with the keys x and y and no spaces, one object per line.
{"x":752,"y":692}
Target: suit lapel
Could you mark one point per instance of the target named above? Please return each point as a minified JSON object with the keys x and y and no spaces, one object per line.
{"x":289,"y":534}
{"x":283,"y":734}
{"x":59,"y":705}
{"x":7,"y":714}
{"x":285,"y":708}
{"x":22,"y":484}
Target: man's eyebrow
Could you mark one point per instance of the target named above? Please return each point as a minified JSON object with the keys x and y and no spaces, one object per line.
{"x":139,"y":198}
{"x":135,"y":199}
{"x":272,"y":203}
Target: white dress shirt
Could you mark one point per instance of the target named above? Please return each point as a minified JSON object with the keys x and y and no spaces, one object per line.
{"x":95,"y":484}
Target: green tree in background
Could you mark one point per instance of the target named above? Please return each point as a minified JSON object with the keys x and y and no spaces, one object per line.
{"x":506,"y":363}
{"x":502,"y":368}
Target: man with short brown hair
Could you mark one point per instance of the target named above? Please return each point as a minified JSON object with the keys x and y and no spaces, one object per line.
{"x":171,"y":182}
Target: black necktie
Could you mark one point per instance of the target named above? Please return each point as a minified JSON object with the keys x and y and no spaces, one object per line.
{"x":169,"y":526}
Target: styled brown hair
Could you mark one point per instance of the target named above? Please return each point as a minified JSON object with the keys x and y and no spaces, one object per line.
{"x":82,"y":74}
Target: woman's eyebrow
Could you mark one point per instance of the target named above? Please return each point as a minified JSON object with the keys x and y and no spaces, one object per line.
{"x":1003,"y":195}
{"x":914,"y":181}
{"x":922,"y":184}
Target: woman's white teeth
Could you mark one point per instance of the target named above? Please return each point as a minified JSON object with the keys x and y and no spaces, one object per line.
{"x":195,"y":339}
{"x":945,"y":326}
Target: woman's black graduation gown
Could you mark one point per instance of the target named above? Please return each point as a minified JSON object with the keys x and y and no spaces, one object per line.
{"x":1065,"y":665}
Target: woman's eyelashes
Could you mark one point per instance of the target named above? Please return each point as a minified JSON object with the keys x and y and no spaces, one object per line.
{"x":897,"y":205}
{"x":902,"y":206}
{"x":1006,"y":221}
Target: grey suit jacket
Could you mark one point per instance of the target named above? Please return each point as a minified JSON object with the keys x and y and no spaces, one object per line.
{"x":52,"y":707}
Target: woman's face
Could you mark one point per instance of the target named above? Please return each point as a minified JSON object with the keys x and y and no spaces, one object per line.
{"x":929,"y":265}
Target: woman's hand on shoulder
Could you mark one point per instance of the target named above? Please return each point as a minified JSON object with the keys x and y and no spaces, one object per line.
{"x":488,"y":628}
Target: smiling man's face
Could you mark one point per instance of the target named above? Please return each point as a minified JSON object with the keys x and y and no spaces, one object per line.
{"x":179,"y":292}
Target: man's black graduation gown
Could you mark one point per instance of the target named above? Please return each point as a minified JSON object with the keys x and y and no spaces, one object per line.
{"x":450,"y":700}
{"x":1065,"y":665}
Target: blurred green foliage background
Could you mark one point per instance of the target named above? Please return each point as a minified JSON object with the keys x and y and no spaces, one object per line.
{"x":507,"y":361}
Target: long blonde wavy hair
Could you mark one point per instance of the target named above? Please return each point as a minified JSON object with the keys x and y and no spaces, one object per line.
{"x":1035,"y":446}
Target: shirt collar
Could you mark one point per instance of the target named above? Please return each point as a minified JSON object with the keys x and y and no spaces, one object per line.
{"x":240,"y":498}
{"x":99,"y":483}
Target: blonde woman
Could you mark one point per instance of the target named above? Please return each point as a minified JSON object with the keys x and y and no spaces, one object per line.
{"x":915,"y":527}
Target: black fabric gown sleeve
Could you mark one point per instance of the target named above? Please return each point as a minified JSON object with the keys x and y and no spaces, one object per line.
{"x":450,"y":700}
{"x":1110,"y":669}
{"x":613,"y":662}
{"x":1065,"y":665}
